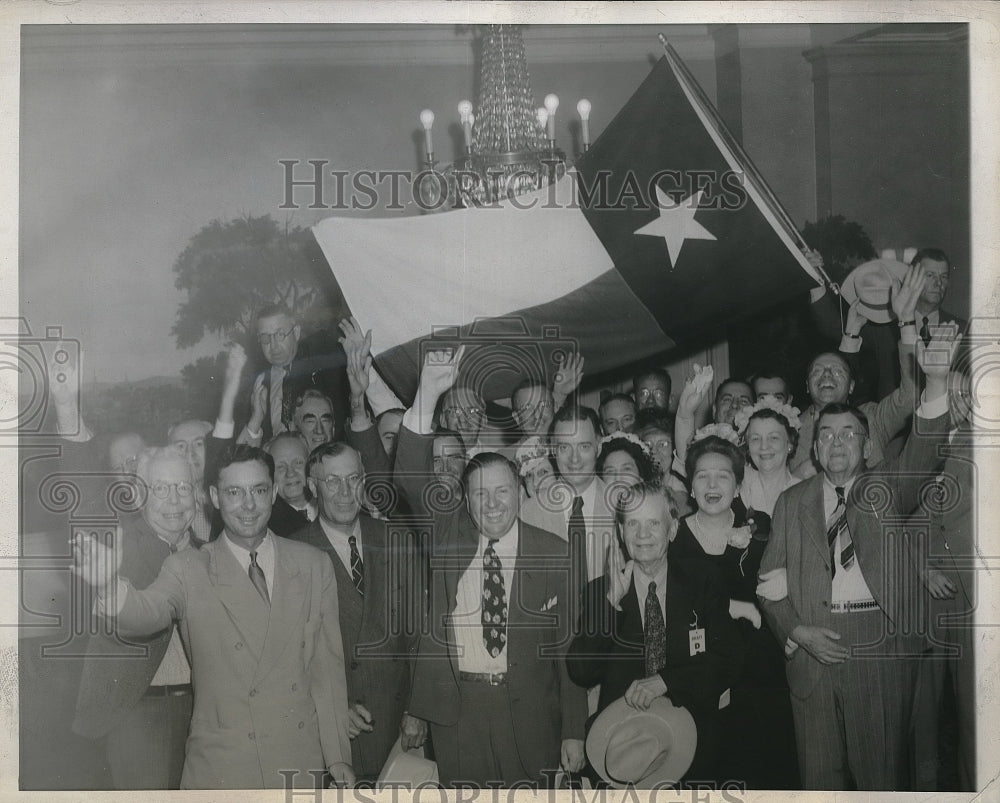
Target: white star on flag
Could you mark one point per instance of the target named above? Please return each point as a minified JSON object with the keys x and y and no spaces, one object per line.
{"x":676,"y":224}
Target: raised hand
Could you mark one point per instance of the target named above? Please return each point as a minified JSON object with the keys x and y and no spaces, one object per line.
{"x":357,"y":346}
{"x":440,"y":371}
{"x":97,"y":563}
{"x":619,"y":575}
{"x":935,"y":361}
{"x":236,"y":360}
{"x":904,"y":298}
{"x":695,"y":390}
{"x":569,"y":373}
{"x":258,"y":404}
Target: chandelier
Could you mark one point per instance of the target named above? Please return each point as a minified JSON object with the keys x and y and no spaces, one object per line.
{"x":510,"y":146}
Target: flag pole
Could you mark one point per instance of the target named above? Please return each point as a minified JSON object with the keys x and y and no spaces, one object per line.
{"x":753,"y":174}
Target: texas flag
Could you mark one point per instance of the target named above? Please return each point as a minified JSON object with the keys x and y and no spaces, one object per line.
{"x":661,"y":233}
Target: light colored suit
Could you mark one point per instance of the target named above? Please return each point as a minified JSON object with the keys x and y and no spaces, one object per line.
{"x":270,"y":693}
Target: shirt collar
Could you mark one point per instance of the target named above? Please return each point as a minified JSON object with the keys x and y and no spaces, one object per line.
{"x":505,"y":546}
{"x":642,"y":580}
{"x":265,"y":548}
{"x":333,"y":532}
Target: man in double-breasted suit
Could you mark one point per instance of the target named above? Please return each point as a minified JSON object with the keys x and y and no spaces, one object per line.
{"x":259,"y":619}
{"x":378,"y":587}
{"x":848,"y":586}
{"x":139,"y":694}
{"x":490,"y":675}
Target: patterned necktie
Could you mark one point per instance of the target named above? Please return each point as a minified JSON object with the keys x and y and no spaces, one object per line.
{"x":576,"y":534}
{"x":925,"y":331}
{"x":494,"y":603}
{"x":257,"y":578}
{"x":277,"y":399}
{"x":654,"y":634}
{"x":837,"y":525}
{"x":357,"y":567}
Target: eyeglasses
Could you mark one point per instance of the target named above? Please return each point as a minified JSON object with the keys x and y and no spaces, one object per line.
{"x":848,"y":436}
{"x":338,"y":484}
{"x":127,"y":466}
{"x":161,"y":490}
{"x":464,"y":412}
{"x":277,"y":338}
{"x":647,"y":393}
{"x":235,"y":493}
{"x":836,"y":373}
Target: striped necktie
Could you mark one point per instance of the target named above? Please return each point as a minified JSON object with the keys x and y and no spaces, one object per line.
{"x":277,"y":399}
{"x":837,"y":525}
{"x":357,"y":567}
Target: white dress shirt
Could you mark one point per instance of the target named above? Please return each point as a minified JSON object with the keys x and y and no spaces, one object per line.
{"x":849,"y":585}
{"x":467,"y":622}
{"x":596,"y":547}
{"x":265,"y":557}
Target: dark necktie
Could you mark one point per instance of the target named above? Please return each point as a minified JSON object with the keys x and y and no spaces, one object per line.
{"x":357,"y":567}
{"x":277,"y":400}
{"x":494,"y":603}
{"x":925,"y":331}
{"x":837,"y":525}
{"x":654,"y":634}
{"x":258,"y":579}
{"x":576,"y":534}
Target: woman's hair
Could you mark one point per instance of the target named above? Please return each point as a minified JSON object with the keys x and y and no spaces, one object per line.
{"x":774,"y":415}
{"x":715,"y":445}
{"x":643,"y":462}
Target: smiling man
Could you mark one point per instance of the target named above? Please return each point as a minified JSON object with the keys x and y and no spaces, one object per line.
{"x":258,"y":616}
{"x":490,"y":677}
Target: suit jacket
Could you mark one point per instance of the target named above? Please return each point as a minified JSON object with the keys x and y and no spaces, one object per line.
{"x":269,"y":687}
{"x":552,"y":514}
{"x":609,"y":645}
{"x":546,"y":706}
{"x":378,"y":631}
{"x":799,"y":544}
{"x":117,"y":675}
{"x":286,"y":520}
{"x":320,"y":363}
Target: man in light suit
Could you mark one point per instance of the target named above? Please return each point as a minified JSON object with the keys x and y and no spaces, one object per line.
{"x":490,"y":675}
{"x":258,"y":616}
{"x":847,"y":590}
{"x":138,"y":695}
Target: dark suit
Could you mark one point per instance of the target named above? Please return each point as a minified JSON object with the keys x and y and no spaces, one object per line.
{"x":537,"y":701}
{"x":319,"y":363}
{"x":270,"y":689}
{"x":286,"y":520}
{"x":112,"y":688}
{"x":378,"y":637}
{"x":870,"y":692}
{"x":609,"y":649}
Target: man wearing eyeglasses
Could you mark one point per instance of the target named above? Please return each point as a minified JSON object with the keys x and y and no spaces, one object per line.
{"x":375,"y":573}
{"x":651,"y":390}
{"x":848,"y":588}
{"x":258,"y":615}
{"x":294,"y":365}
{"x":138,"y":696}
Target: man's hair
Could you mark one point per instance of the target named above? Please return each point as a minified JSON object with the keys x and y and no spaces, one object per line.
{"x":839,"y":408}
{"x":651,"y":417}
{"x":933,"y":254}
{"x":768,"y":373}
{"x":273,"y":310}
{"x":390,"y":411}
{"x":635,"y":495}
{"x":659,"y":373}
{"x":324,"y":450}
{"x":156,"y":454}
{"x":617,"y":397}
{"x":526,"y":384}
{"x":713,"y":444}
{"x":576,"y":412}
{"x":289,"y":435}
{"x":485,"y":460}
{"x":206,"y":424}
{"x":311,"y":393}
{"x":241,"y":453}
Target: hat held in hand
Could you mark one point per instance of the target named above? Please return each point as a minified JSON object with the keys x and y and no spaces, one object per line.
{"x":871,"y":284}
{"x":642,"y":748}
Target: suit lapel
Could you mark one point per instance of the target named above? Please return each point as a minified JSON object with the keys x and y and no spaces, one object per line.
{"x":286,"y":607}
{"x":246,"y":610}
{"x":377,"y":574}
{"x":812,"y":518}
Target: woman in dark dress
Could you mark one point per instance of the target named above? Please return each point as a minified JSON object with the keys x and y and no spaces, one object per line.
{"x":725,"y":539}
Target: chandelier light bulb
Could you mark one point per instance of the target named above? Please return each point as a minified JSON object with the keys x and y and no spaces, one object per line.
{"x":551,"y":104}
{"x":543,"y":116}
{"x":464,"y":110}
{"x":583,"y":109}
{"x":427,"y":119}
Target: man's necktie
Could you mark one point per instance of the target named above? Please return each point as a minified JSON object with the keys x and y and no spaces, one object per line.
{"x":277,"y":398}
{"x":576,"y":534}
{"x":357,"y":567}
{"x":837,"y":525}
{"x":925,"y":331}
{"x":654,"y":634}
{"x":258,"y":579}
{"x":494,"y":603}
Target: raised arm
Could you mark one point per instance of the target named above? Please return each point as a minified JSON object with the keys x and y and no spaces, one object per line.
{"x":569,"y":374}
{"x":693,"y":400}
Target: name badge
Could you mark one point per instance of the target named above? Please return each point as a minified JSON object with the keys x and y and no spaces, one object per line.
{"x":696,"y":640}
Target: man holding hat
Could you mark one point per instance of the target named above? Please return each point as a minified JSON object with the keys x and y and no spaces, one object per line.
{"x":649,"y":634}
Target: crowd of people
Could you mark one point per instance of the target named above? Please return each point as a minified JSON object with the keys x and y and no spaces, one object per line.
{"x":713,"y":589}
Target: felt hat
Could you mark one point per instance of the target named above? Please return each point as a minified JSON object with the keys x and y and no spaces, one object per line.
{"x":407,"y":767}
{"x":642,"y":748}
{"x":871,"y":283}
